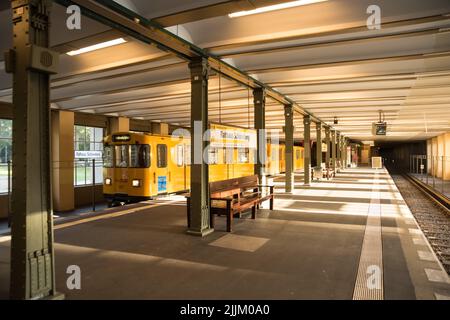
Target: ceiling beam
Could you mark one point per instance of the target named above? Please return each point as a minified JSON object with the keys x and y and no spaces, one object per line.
{"x":118,"y":17}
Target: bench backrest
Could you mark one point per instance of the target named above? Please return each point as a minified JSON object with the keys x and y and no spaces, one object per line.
{"x":233,"y":184}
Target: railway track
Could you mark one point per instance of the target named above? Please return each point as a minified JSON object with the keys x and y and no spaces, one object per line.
{"x":433,"y":218}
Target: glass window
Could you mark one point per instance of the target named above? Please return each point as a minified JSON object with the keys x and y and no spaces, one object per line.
{"x":108,"y":157}
{"x":139,"y":156}
{"x":5,"y":154}
{"x":187,"y":155}
{"x":88,"y":146}
{"x":180,"y":155}
{"x":297,"y":154}
{"x":243,"y":155}
{"x":121,"y":156}
{"x":161,"y":150}
{"x":213,"y":155}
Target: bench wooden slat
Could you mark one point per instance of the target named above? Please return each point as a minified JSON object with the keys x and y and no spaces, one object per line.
{"x":232,"y":196}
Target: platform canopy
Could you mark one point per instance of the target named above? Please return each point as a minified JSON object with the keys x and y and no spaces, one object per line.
{"x":322,"y":55}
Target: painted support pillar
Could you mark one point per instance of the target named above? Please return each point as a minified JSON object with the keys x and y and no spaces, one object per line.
{"x":319,"y":144}
{"x":199,"y":223}
{"x":289,"y":150}
{"x":31,"y":62}
{"x":307,"y":147}
{"x":333,"y":150}
{"x":327,"y":142}
{"x":63,"y":160}
{"x":259,"y":101}
{"x":119,"y":124}
{"x":345,"y":153}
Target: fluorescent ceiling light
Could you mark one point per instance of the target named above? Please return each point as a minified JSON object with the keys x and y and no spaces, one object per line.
{"x":279,"y":6}
{"x":97,"y":46}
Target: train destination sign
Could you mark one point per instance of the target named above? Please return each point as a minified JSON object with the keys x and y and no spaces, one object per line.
{"x":121,"y":138}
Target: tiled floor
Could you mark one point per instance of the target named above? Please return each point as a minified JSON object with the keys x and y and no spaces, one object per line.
{"x":309,"y":247}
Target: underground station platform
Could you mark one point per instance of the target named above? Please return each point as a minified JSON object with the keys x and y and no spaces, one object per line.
{"x":237,"y":152}
{"x":316,"y":244}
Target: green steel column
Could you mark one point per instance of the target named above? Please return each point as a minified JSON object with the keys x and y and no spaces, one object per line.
{"x":333,"y":149}
{"x":31,"y":62}
{"x":338,"y":150}
{"x":341,"y":155}
{"x":327,"y":142}
{"x":307,"y":146}
{"x":259,"y":101}
{"x":199,"y":217}
{"x":289,"y":151}
{"x":345,"y":152}
{"x":319,"y":144}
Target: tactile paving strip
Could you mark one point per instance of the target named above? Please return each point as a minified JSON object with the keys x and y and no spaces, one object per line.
{"x":369,"y":280}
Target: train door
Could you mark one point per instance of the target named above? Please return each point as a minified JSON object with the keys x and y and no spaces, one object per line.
{"x":121,"y":172}
{"x":176,"y":173}
{"x":161,"y":173}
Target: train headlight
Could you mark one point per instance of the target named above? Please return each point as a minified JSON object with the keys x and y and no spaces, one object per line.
{"x":108,"y":181}
{"x":136,"y":183}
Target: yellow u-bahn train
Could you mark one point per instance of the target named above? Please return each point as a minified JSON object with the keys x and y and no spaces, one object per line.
{"x":140,"y":166}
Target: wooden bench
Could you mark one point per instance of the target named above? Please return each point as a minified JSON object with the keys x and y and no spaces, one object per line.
{"x":232,"y":197}
{"x":327,"y":173}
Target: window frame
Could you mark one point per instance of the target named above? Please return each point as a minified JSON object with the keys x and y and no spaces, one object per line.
{"x":149,"y":163}
{"x":85,"y":163}
{"x":158,"y":156}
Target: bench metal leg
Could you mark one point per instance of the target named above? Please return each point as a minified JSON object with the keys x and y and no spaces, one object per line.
{"x":271,"y":203}
{"x":211,"y":220}
{"x":254,"y":212}
{"x":229,"y":221}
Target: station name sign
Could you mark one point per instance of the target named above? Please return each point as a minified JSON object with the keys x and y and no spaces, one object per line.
{"x":88,"y":154}
{"x":121,"y":138}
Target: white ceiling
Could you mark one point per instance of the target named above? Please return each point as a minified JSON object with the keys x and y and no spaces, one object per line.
{"x":321,"y":55}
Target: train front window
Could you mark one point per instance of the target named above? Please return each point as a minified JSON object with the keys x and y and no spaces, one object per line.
{"x":139,"y":156}
{"x":243,"y":155}
{"x":161,"y":150}
{"x":108,"y":157}
{"x":122,"y":156}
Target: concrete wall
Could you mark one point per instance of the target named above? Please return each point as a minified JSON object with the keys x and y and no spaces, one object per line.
{"x":398,"y":156}
{"x":83,"y":195}
{"x":365,"y":154}
{"x":439,"y":149}
{"x":447,"y":155}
